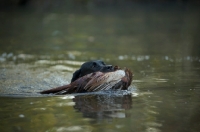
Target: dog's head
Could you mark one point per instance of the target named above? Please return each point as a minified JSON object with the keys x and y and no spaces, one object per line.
{"x":90,"y":67}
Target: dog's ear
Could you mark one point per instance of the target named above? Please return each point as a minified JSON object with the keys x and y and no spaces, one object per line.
{"x":76,"y":75}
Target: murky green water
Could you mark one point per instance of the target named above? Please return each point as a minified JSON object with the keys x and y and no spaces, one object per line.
{"x":41,"y":49}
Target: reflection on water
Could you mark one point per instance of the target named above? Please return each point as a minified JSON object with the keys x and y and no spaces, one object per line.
{"x":103,"y":106}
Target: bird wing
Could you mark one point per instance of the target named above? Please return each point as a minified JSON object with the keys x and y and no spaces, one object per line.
{"x":104,"y":81}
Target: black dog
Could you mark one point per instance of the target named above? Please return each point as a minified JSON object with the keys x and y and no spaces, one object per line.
{"x":90,"y":67}
{"x":102,"y":77}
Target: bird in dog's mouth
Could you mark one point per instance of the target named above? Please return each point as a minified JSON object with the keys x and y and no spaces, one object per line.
{"x":95,"y":76}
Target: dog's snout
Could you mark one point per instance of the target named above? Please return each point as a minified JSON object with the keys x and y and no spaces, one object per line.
{"x":109,"y":67}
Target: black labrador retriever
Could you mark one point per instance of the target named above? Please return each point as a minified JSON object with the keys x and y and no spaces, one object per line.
{"x":90,"y":67}
{"x":95,"y":76}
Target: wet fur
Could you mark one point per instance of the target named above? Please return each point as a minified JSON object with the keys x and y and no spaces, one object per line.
{"x":90,"y":67}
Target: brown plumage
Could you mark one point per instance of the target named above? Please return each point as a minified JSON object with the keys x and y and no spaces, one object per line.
{"x":117,"y":79}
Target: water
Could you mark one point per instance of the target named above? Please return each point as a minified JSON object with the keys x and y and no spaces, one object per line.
{"x":40,"y":49}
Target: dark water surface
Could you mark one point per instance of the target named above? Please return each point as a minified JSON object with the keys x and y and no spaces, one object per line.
{"x":41,"y":49}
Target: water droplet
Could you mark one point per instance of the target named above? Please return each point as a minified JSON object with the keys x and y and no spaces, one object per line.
{"x":188,"y":57}
{"x":120,"y":57}
{"x":166,"y":57}
{"x":147,"y":57}
{"x":21,"y":116}
{"x":91,"y":39}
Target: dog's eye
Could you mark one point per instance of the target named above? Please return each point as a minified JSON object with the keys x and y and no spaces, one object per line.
{"x":94,"y":64}
{"x":103,"y":63}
